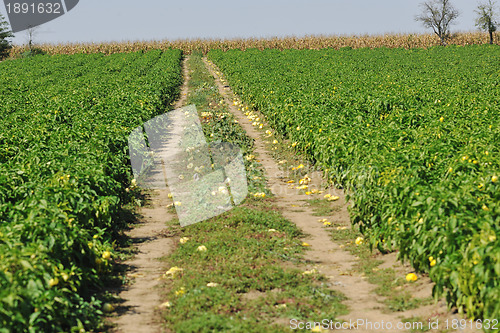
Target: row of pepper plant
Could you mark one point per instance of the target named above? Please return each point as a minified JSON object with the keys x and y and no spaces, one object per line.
{"x":65,"y":177}
{"x":413,"y":135}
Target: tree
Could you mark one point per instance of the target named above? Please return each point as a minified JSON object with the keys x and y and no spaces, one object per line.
{"x":32,"y":49}
{"x":5,"y":34}
{"x":438,"y":15}
{"x":31,"y":35}
{"x":486,"y":19}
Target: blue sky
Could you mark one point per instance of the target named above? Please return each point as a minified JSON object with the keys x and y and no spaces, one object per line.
{"x":120,"y":20}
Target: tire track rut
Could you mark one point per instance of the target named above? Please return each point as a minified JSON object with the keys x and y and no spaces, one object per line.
{"x":142,"y":296}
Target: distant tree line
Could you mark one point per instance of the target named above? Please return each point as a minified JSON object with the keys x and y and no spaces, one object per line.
{"x":440,"y":14}
{"x":436,"y":14}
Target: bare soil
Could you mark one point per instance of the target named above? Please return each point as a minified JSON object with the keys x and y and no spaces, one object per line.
{"x":142,"y":296}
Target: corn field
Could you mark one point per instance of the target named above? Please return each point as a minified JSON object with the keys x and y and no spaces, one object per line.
{"x":308,"y":42}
